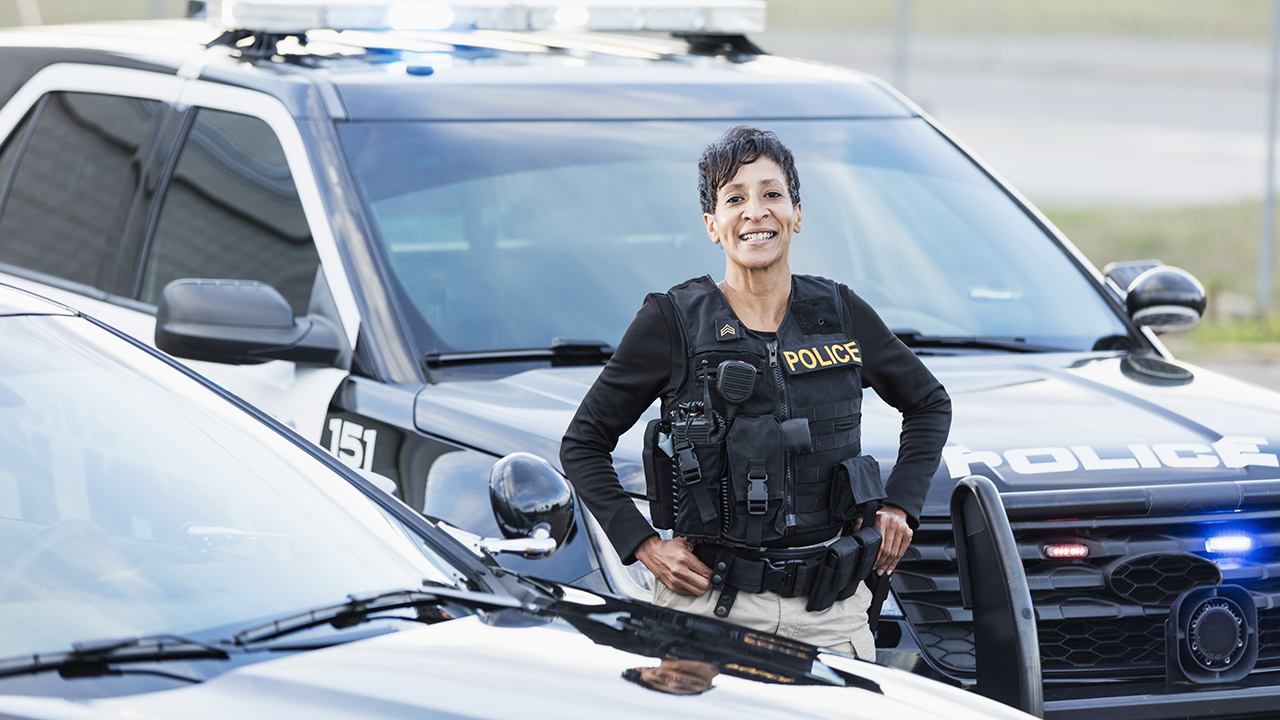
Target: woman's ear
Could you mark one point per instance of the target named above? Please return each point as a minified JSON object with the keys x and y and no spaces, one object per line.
{"x":710,"y":220}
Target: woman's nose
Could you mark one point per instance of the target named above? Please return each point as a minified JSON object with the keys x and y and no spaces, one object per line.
{"x":755,"y":209}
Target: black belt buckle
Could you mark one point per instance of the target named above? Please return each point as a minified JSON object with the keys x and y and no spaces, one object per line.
{"x":757,"y":494}
{"x":780,"y":577}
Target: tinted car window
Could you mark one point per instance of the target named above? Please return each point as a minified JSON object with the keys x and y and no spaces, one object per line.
{"x":507,"y":235}
{"x":74,"y":185}
{"x":232,"y":211}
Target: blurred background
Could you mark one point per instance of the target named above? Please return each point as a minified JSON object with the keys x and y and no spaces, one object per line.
{"x":1139,"y":127}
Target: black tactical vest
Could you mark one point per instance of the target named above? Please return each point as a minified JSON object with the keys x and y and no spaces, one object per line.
{"x":783,"y":462}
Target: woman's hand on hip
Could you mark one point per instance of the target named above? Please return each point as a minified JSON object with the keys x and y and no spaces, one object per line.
{"x":674,"y":565}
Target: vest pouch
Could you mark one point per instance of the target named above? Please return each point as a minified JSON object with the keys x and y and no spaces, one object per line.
{"x":757,"y":474}
{"x":659,"y":476}
{"x":856,"y":483}
{"x":699,"y":470}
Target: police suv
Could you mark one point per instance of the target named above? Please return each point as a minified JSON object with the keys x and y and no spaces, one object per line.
{"x":413,"y":231}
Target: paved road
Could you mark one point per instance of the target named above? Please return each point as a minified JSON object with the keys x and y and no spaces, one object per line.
{"x":1259,"y":369}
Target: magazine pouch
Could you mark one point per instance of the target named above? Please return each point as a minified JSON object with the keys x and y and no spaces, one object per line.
{"x":757,"y":474}
{"x":847,"y":561}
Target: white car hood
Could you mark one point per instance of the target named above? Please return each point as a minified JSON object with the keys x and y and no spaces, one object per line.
{"x":466,"y":669}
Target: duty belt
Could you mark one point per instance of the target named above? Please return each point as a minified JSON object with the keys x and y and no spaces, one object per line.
{"x":790,"y":573}
{"x":826,"y":573}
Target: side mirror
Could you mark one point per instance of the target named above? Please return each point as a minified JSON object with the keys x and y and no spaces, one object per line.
{"x":239,"y":322}
{"x":1165,"y":299}
{"x":531,"y":501}
{"x":1122,"y":274}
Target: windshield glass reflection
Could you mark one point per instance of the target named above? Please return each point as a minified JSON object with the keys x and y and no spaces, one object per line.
{"x":134,"y":502}
{"x":507,"y":235}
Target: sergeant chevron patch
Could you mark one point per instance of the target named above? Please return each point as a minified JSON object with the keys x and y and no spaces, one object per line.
{"x":727,"y":330}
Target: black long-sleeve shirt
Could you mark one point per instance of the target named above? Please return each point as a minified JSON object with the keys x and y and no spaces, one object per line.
{"x":641,"y":369}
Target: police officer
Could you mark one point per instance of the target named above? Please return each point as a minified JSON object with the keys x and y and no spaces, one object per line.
{"x":755,"y":464}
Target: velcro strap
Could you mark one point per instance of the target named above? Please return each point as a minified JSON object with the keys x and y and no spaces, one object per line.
{"x":822,"y":443}
{"x":830,"y":411}
{"x":810,"y":504}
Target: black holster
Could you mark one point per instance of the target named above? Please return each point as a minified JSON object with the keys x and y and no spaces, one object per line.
{"x":847,"y":561}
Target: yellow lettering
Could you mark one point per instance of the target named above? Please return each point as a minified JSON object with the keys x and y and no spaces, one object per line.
{"x":852,"y":347}
{"x":811,"y":362}
{"x":791,"y":359}
{"x":817,"y":354}
{"x":837,"y":352}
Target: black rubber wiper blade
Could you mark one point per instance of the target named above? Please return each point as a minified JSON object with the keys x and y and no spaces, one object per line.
{"x":562,"y":352}
{"x":913,"y":339}
{"x":358,"y":609}
{"x":95,"y":657}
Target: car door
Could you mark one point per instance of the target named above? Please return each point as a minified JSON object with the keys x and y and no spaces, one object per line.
{"x":236,"y":198}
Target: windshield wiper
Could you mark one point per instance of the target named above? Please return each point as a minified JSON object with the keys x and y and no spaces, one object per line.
{"x":358,"y":609}
{"x":95,"y":657}
{"x":914,"y":339}
{"x":562,"y":353}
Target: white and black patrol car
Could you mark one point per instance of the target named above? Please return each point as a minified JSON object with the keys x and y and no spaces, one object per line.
{"x":413,"y":231}
{"x":171,"y":552}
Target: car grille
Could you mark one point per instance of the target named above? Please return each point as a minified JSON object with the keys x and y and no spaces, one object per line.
{"x":1102,"y":616}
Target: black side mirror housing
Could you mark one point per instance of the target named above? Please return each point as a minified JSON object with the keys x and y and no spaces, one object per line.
{"x":241,"y":322}
{"x":1165,"y":299}
{"x":526,"y":492}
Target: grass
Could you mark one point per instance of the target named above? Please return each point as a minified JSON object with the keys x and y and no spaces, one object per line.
{"x":1219,"y":20}
{"x":1217,"y":244}
{"x":1257,"y":338}
{"x":54,"y":12}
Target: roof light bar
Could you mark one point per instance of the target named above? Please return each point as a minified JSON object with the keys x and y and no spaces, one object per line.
{"x":727,"y":17}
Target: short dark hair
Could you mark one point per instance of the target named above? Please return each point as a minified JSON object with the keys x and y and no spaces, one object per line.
{"x":742,"y":145}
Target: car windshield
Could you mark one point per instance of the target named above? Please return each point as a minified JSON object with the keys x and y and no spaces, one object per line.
{"x":507,"y":235}
{"x":135,"y":502}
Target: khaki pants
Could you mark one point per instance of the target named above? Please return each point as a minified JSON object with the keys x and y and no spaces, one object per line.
{"x":841,"y":627}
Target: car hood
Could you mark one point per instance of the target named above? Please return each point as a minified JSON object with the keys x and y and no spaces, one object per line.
{"x":1029,"y":422}
{"x":601,"y":657}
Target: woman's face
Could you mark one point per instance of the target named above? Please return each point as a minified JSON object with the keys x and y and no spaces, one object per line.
{"x":754,"y":217}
